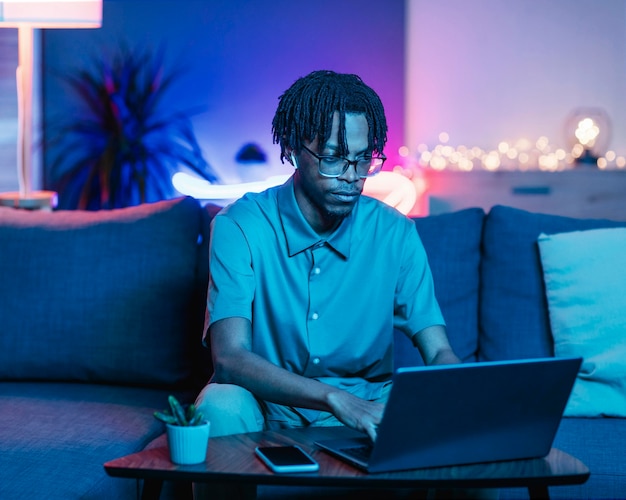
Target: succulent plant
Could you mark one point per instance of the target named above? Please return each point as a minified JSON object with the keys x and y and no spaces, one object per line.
{"x":177,"y":414}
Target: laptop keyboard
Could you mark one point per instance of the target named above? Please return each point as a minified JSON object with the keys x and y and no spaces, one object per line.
{"x":361,"y":453}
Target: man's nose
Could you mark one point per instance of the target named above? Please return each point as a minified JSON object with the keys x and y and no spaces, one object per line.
{"x":350,"y":174}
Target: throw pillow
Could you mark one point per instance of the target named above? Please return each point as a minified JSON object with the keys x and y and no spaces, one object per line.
{"x":452,"y":243}
{"x":514,"y":321}
{"x":111,"y":297}
{"x":585,"y":278}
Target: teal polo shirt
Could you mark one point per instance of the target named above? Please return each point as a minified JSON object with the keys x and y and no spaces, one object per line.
{"x":324,"y":308}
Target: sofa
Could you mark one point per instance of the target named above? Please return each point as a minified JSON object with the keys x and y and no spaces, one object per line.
{"x":102,"y":313}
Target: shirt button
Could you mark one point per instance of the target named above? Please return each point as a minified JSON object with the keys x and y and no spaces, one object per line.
{"x":315,"y":316}
{"x":317,"y":270}
{"x":316,"y":361}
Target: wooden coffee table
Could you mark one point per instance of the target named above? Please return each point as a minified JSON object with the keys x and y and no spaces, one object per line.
{"x":231,"y":459}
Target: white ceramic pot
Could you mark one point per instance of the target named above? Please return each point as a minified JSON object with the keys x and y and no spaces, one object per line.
{"x":188,"y":445}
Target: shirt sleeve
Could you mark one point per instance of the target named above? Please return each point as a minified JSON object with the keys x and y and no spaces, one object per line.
{"x":231,"y":278}
{"x":416,"y":305}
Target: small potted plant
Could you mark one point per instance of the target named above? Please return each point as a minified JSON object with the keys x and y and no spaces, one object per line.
{"x":187,"y":432}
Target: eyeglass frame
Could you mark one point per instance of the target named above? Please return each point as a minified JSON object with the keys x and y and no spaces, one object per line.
{"x":348,"y":162}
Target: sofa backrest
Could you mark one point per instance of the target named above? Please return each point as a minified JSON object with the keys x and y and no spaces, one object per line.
{"x":119,"y":296}
{"x":109,"y":297}
{"x":452,"y":243}
{"x":513,"y":307}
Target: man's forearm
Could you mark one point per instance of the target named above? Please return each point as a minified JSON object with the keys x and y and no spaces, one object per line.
{"x":445,"y":357}
{"x":272,"y":383}
{"x":434,"y":346}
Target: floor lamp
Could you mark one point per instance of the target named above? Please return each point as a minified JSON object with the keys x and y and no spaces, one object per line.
{"x":28,"y":16}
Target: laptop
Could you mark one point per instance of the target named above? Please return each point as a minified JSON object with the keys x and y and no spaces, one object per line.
{"x":465,"y":413}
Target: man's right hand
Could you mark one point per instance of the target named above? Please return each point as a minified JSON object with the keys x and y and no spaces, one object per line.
{"x":355,"y":412}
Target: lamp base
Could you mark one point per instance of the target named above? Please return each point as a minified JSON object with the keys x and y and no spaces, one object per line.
{"x":587,"y":159}
{"x":35,"y":200}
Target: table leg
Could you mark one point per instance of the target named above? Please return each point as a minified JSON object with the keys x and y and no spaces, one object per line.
{"x":538,"y":492}
{"x":151,"y":489}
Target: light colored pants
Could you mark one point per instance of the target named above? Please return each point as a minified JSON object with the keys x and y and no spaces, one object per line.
{"x":231,"y":409}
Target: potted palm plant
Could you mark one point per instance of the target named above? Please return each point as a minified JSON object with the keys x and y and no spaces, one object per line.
{"x":187,"y":432}
{"x":124,"y":144}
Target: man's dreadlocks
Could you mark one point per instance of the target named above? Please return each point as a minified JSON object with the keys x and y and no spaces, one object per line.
{"x":306,"y":109}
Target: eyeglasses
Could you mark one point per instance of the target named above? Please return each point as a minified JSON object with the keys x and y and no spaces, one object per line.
{"x":335,"y":166}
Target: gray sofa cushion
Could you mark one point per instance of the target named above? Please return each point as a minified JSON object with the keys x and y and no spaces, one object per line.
{"x":109,"y":297}
{"x":599,"y":443}
{"x":452,"y":243}
{"x":55,"y":437}
{"x":513,"y":306}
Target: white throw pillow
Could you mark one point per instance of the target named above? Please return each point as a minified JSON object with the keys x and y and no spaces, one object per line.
{"x":585,"y":278}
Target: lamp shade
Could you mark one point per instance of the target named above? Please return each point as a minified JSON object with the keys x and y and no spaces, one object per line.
{"x":51,"y":13}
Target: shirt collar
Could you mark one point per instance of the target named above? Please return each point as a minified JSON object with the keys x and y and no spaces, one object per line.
{"x":298,"y":232}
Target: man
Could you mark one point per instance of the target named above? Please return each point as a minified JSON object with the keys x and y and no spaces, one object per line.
{"x":309,"y":279}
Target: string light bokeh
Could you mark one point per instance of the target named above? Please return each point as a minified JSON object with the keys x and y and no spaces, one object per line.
{"x":522,"y":154}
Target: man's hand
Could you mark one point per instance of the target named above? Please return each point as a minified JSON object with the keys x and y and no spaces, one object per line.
{"x":355,"y":412}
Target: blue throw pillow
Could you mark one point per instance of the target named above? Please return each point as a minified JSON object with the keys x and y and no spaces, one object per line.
{"x":452,"y":243}
{"x":513,"y":306}
{"x":109,"y":297}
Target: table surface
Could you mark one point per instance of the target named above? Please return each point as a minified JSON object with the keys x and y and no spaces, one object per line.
{"x":232,"y":459}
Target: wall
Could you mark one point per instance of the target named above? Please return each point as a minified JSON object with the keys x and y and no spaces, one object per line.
{"x":481,"y":71}
{"x":240,"y":56}
{"x":498,"y":70}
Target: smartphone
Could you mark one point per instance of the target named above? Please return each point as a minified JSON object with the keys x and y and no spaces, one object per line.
{"x":285,"y":459}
